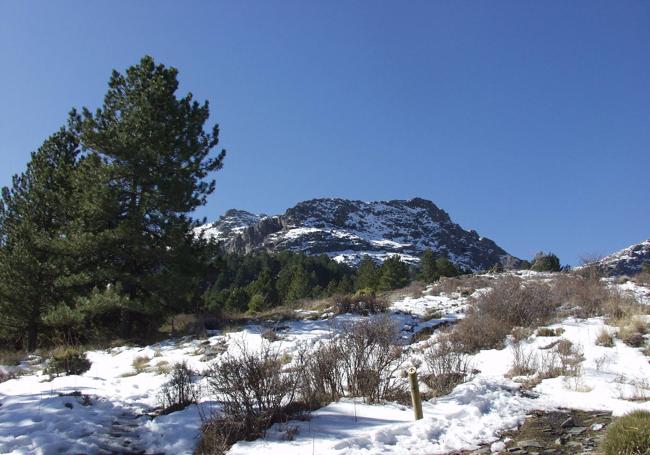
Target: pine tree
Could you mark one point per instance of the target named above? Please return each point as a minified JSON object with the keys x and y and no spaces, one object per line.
{"x":394,"y":274}
{"x":446,"y":268}
{"x":428,"y":270}
{"x":368,"y":274}
{"x":158,"y":156}
{"x":35,"y":222}
{"x":301,"y":284}
{"x":546,"y":262}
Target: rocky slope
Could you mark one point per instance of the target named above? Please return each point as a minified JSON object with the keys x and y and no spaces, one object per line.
{"x":628,"y":261}
{"x":347,"y":230}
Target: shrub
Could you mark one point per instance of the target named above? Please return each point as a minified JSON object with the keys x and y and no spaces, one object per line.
{"x":605,"y":339}
{"x":492,"y":315}
{"x":629,"y":434}
{"x":252,"y":387}
{"x":271,"y":335}
{"x":524,"y":363}
{"x":363,"y":361}
{"x":632,"y":331}
{"x":180,"y":390}
{"x":321,"y":374}
{"x":363,"y":304}
{"x":67,"y":360}
{"x":447,"y":367}
{"x":372,"y":358}
{"x":548,"y":332}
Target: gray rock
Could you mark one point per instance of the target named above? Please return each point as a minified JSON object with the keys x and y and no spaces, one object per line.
{"x":353,"y":229}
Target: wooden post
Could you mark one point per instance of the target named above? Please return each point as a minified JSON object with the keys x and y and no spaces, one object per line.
{"x":415,"y":392}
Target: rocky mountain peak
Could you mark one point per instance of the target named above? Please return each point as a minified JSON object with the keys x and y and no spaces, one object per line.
{"x":349,"y":229}
{"x":628,"y":261}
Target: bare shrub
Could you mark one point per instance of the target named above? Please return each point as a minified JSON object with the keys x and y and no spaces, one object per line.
{"x":372,"y":358}
{"x":363,"y":304}
{"x":475,"y":333}
{"x":524,"y":362}
{"x":447,"y":366}
{"x":362,"y":361}
{"x":321,"y":374}
{"x":586,"y":295}
{"x":570,"y":357}
{"x":252,"y":387}
{"x":271,"y":335}
{"x":510,"y":303}
{"x":180,"y":390}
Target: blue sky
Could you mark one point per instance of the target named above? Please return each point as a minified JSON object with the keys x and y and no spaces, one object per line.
{"x":527,"y":121}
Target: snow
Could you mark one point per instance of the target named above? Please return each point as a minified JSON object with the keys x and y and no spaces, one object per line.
{"x":38,"y":415}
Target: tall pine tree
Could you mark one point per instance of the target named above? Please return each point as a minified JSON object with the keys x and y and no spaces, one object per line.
{"x":35,"y":220}
{"x":158,"y":157}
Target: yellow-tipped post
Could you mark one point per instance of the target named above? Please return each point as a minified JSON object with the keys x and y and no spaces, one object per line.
{"x":415,"y":392}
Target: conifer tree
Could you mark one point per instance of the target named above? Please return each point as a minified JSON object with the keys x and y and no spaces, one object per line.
{"x":368,"y":274}
{"x":428,"y":270}
{"x":35,"y":222}
{"x":158,"y":157}
{"x":446,"y":268}
{"x":394,"y":274}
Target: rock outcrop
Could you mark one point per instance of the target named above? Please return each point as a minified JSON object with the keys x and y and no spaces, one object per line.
{"x":347,"y":230}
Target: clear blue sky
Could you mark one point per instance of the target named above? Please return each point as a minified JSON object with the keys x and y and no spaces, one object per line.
{"x":528,"y":121}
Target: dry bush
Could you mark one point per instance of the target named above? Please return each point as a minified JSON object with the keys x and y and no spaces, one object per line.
{"x":321,"y":374}
{"x":548,"y":332}
{"x":363,"y":304}
{"x":372,"y":358}
{"x":492,"y":316}
{"x":642,"y":278}
{"x":524,"y":362}
{"x":180,"y":390}
{"x":632,"y":330}
{"x":252,"y":387}
{"x":362,"y":361}
{"x":271,"y":335}
{"x":620,"y":306}
{"x":447,"y":367}
{"x":605,"y":339}
{"x":563,"y":360}
{"x":584,"y":294}
{"x":475,"y":333}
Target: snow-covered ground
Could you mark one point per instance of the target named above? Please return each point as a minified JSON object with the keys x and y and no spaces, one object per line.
{"x":39,"y":415}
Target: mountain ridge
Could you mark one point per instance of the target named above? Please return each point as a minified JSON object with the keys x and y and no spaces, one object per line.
{"x":347,"y":230}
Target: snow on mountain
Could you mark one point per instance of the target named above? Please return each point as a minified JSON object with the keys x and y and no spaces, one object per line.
{"x":230,"y":223}
{"x":347,"y":230}
{"x":628,"y":261}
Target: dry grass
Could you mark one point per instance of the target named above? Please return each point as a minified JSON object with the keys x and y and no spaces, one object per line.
{"x":11,"y":358}
{"x":140,"y":363}
{"x":414,"y":290}
{"x":605,"y":339}
{"x":548,"y":332}
{"x":631,"y":330}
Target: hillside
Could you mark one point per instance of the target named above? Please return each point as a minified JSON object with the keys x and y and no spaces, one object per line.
{"x":628,"y":261}
{"x":347,"y":230}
